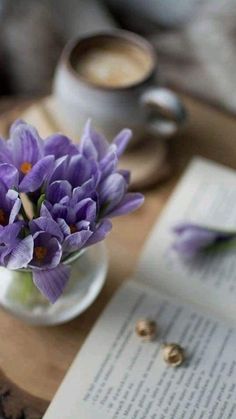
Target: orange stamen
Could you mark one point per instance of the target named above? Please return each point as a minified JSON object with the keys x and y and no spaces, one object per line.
{"x":3,"y":218}
{"x":73,"y":228}
{"x":40,"y":252}
{"x":25,"y":167}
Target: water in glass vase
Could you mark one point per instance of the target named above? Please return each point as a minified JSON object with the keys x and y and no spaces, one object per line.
{"x":19,"y":296}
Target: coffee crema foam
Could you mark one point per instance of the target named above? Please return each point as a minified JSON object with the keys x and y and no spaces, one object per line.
{"x":114,"y":64}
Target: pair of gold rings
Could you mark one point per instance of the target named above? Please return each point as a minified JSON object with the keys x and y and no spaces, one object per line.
{"x":173,"y":353}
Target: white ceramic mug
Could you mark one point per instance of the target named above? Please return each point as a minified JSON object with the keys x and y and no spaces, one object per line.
{"x":143,"y":106}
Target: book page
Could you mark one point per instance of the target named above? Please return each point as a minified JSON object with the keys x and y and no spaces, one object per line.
{"x":117,"y":376}
{"x":206,"y":195}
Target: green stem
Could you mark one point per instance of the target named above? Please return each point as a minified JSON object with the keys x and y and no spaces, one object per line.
{"x":39,"y":204}
{"x":222,"y":246}
{"x":23,"y":290}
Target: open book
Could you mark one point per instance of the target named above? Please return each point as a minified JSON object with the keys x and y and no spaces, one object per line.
{"x":116,"y":375}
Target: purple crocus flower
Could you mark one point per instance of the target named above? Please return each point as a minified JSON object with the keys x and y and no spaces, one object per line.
{"x":8,"y":240}
{"x":77,"y":219}
{"x":9,"y":176}
{"x":80,"y":220}
{"x":76,"y":170}
{"x":113,"y":184}
{"x":73,"y":235}
{"x":47,"y":251}
{"x":49,"y":274}
{"x":73,"y":191}
{"x":191,"y":239}
{"x":24,"y":150}
{"x":90,"y":181}
{"x":10,"y":205}
{"x":15,"y":252}
{"x":59,"y":145}
{"x":114,"y":199}
{"x":52,"y":282}
{"x":94,"y":146}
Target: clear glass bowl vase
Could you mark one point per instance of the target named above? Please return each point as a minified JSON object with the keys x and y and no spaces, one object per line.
{"x":19,"y":296}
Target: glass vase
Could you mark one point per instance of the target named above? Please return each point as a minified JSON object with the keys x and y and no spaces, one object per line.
{"x":19,"y":296}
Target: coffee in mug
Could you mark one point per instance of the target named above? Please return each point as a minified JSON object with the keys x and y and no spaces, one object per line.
{"x":114,"y":63}
{"x":111,"y":77}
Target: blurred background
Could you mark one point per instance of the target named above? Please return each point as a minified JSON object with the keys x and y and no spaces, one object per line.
{"x":195,"y":41}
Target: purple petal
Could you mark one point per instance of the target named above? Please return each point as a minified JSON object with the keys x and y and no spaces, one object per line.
{"x":51,"y":282}
{"x":58,"y":190}
{"x":47,"y":225}
{"x":92,"y":144}
{"x":53,"y":254}
{"x":122,"y":140}
{"x":59,"y":211}
{"x":34,"y":179}
{"x":71,"y":216}
{"x":3,"y":192}
{"x":83,"y":225}
{"x":59,"y":145}
{"x":112,"y":191}
{"x":15,"y":125}
{"x":4,"y":254}
{"x":9,"y":233}
{"x":12,"y":195}
{"x":108,"y":163}
{"x":44,"y":211}
{"x":9,"y":175}
{"x":5,"y":153}
{"x":25,"y":143}
{"x":15,"y":210}
{"x":66,"y":200}
{"x":84,"y":191}
{"x":190,"y":239}
{"x":7,"y":198}
{"x":86,"y":210}
{"x":100,"y":233}
{"x":182,"y":226}
{"x":80,"y":170}
{"x":21,"y":254}
{"x":129,"y":203}
{"x":76,"y":241}
{"x":59,"y":171}
{"x":86,"y":145}
{"x":63,"y":226}
{"x":125,"y":174}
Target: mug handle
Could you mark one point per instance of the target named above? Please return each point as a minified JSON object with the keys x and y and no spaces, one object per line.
{"x":165,"y":112}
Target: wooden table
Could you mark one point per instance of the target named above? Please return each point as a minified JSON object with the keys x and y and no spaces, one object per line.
{"x":37,"y":358}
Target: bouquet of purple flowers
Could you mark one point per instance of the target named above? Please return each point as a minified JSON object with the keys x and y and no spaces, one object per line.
{"x":73,"y":192}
